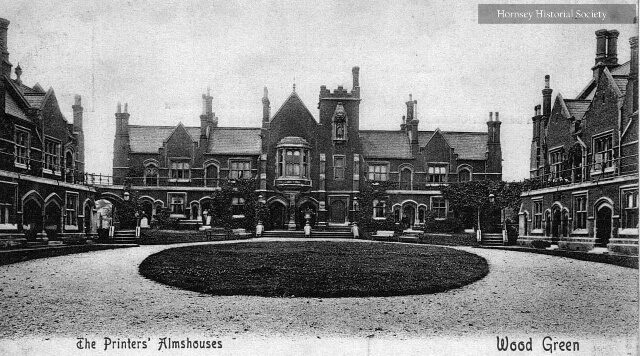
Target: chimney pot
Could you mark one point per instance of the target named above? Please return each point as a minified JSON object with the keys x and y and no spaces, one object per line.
{"x":119,"y":108}
{"x":497,"y":113}
{"x":126,"y":108}
{"x":546,"y":81}
{"x":490,"y":115}
{"x":78,"y":100}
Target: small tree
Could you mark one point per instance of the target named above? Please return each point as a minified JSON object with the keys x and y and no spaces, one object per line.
{"x":477,"y":196}
{"x":370,"y":192}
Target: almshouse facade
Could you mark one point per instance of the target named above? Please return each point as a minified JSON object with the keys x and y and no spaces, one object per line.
{"x":41,"y":160}
{"x":584,"y":155}
{"x":300,"y":164}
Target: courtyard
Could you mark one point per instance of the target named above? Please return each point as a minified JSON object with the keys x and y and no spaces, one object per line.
{"x":102,"y":294}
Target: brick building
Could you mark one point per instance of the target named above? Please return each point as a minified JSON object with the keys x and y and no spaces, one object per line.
{"x":41,"y":159}
{"x":302,"y":164}
{"x":584,"y":157}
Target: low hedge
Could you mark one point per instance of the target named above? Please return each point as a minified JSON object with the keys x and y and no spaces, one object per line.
{"x":163,"y":237}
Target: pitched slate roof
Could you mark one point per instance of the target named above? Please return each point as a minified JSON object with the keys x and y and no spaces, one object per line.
{"x":621,"y":82}
{"x":223,"y":140}
{"x":622,"y":69}
{"x":235,"y":140}
{"x":467,"y":145}
{"x":385,"y":144}
{"x":577,"y":108}
{"x":12,"y":108}
{"x":148,"y":139}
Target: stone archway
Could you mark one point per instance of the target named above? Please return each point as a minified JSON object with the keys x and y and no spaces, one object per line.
{"x":32,"y":218}
{"x":88,"y":218}
{"x":603,"y":225}
{"x":408,"y":216}
{"x":556,"y":223}
{"x":52,"y":219}
{"x":278,"y":214}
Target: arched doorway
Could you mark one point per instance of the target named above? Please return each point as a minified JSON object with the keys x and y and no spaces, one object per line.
{"x":87,"y":218}
{"x":565,"y":223}
{"x":603,"y":226}
{"x":338,"y":210}
{"x":556,"y":223}
{"x":408,"y":216}
{"x":52,"y":220}
{"x":547,"y":220}
{"x":147,"y":208}
{"x":32,"y":219}
{"x":278,"y":213}
{"x":302,"y":211}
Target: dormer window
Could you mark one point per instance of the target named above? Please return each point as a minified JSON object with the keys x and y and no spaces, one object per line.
{"x":180,"y":171}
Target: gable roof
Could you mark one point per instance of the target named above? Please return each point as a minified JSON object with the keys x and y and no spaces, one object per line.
{"x":12,"y":108}
{"x":148,"y":139}
{"x":385,"y":144}
{"x":589,"y":90}
{"x":293,"y":100}
{"x":577,"y":108}
{"x":467,"y":145}
{"x":235,"y":140}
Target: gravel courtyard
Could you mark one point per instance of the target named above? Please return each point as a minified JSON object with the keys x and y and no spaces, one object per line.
{"x":101,"y":293}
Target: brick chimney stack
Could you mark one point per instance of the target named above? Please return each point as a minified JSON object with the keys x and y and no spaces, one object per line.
{"x":355,"y":71}
{"x":207,"y":118}
{"x":546,"y":97}
{"x":78,"y":129}
{"x":4,"y":48}
{"x":633,"y":72}
{"x":266,"y":108}
{"x":612,"y":47}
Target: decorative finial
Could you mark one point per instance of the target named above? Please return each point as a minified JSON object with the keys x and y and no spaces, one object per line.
{"x":18,"y":74}
{"x":294,"y":84}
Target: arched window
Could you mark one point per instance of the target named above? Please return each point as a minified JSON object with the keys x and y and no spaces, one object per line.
{"x":422,"y":214}
{"x":406,"y":179}
{"x":150,"y":174}
{"x":211,"y":175}
{"x":464,"y":175}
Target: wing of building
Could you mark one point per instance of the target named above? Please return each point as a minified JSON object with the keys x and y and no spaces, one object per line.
{"x":302,"y":164}
{"x":584,"y":160}
{"x":41,"y":161}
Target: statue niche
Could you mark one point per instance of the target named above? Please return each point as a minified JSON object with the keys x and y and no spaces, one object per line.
{"x":339,"y":123}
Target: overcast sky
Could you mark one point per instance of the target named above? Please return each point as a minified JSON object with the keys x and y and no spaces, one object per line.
{"x":160,"y":57}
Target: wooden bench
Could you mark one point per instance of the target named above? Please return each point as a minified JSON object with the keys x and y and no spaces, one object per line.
{"x":241,"y":234}
{"x":383,"y":235}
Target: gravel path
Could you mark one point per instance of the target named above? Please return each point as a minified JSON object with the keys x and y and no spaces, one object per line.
{"x":101,"y":293}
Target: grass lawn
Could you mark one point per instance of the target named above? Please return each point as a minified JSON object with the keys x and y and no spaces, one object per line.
{"x":314,"y":269}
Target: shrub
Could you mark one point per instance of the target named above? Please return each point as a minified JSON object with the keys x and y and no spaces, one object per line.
{"x":450,"y":224}
{"x":165,"y":221}
{"x":540,"y":244}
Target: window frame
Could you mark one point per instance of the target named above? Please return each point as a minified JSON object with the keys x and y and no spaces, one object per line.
{"x":580,"y":205}
{"x":238,"y":172}
{"x":339,"y":172}
{"x":538,"y":213}
{"x":186,"y":172}
{"x":437,"y":209}
{"x":170,"y":199}
{"x":627,"y":210}
{"x":372,"y":174}
{"x":71,"y":213}
{"x":21,"y":161}
{"x":379,"y":209}
{"x":597,"y":165}
{"x":237,"y":207}
{"x":441,"y":177}
{"x":146,"y":176}
{"x":52,"y":161}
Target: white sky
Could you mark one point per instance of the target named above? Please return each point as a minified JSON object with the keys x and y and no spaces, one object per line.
{"x":160,"y":56}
